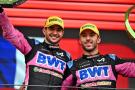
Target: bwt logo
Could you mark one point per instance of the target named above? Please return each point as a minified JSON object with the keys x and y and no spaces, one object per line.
{"x":50,"y":60}
{"x":92,"y":72}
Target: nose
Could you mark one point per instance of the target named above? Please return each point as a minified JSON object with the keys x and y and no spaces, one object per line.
{"x":55,"y":31}
{"x":87,"y":37}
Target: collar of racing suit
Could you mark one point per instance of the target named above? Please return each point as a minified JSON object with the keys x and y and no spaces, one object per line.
{"x":91,"y":56}
{"x":51,"y":46}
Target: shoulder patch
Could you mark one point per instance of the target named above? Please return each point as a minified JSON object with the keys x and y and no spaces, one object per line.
{"x":37,"y":42}
{"x":68,"y":55}
{"x":113,"y":56}
{"x":70,"y":64}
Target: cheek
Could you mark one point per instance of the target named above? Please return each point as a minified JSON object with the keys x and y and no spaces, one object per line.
{"x":80,"y":41}
{"x":61,"y":34}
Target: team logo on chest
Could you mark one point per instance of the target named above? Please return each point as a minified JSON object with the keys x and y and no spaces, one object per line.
{"x":50,"y":61}
{"x":94,"y":72}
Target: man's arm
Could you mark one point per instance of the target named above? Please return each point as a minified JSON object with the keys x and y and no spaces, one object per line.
{"x":124,"y":67}
{"x":13,"y":35}
{"x":67,"y":83}
{"x":70,"y":82}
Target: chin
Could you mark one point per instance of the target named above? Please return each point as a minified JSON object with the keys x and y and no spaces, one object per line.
{"x":89,"y":49}
{"x":54,"y":42}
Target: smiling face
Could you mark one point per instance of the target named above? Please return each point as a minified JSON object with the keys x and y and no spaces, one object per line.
{"x":89,"y":41}
{"x":53,"y":34}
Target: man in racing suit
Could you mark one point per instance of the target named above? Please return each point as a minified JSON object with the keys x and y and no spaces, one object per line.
{"x":94,"y":71}
{"x":46,"y":63}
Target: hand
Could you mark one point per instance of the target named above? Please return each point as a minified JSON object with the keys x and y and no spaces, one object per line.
{"x":1,"y":9}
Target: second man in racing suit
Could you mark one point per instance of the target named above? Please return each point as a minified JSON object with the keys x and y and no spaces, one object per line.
{"x":94,"y":71}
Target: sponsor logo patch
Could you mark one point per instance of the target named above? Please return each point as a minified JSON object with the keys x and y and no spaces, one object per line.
{"x":50,"y":61}
{"x":94,"y":72}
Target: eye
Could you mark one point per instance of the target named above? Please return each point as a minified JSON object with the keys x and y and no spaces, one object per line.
{"x":83,"y":35}
{"x":59,"y":29}
{"x":92,"y":34}
{"x":51,"y":28}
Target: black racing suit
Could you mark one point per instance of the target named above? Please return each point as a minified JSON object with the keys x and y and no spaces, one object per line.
{"x":98,"y":72}
{"x":50,"y":68}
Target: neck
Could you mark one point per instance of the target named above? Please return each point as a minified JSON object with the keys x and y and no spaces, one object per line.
{"x":46,"y":41}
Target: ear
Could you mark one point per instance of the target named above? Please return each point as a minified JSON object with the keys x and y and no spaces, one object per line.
{"x":43,"y":30}
{"x":63,"y":33}
{"x":99,"y":40}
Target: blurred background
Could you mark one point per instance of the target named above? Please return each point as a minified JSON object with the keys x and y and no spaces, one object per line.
{"x":29,"y":18}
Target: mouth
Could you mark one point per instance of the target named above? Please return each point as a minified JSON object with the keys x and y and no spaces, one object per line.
{"x":54,"y":36}
{"x":88,"y":44}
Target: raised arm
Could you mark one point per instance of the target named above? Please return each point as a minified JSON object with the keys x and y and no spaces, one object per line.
{"x":13,"y":35}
